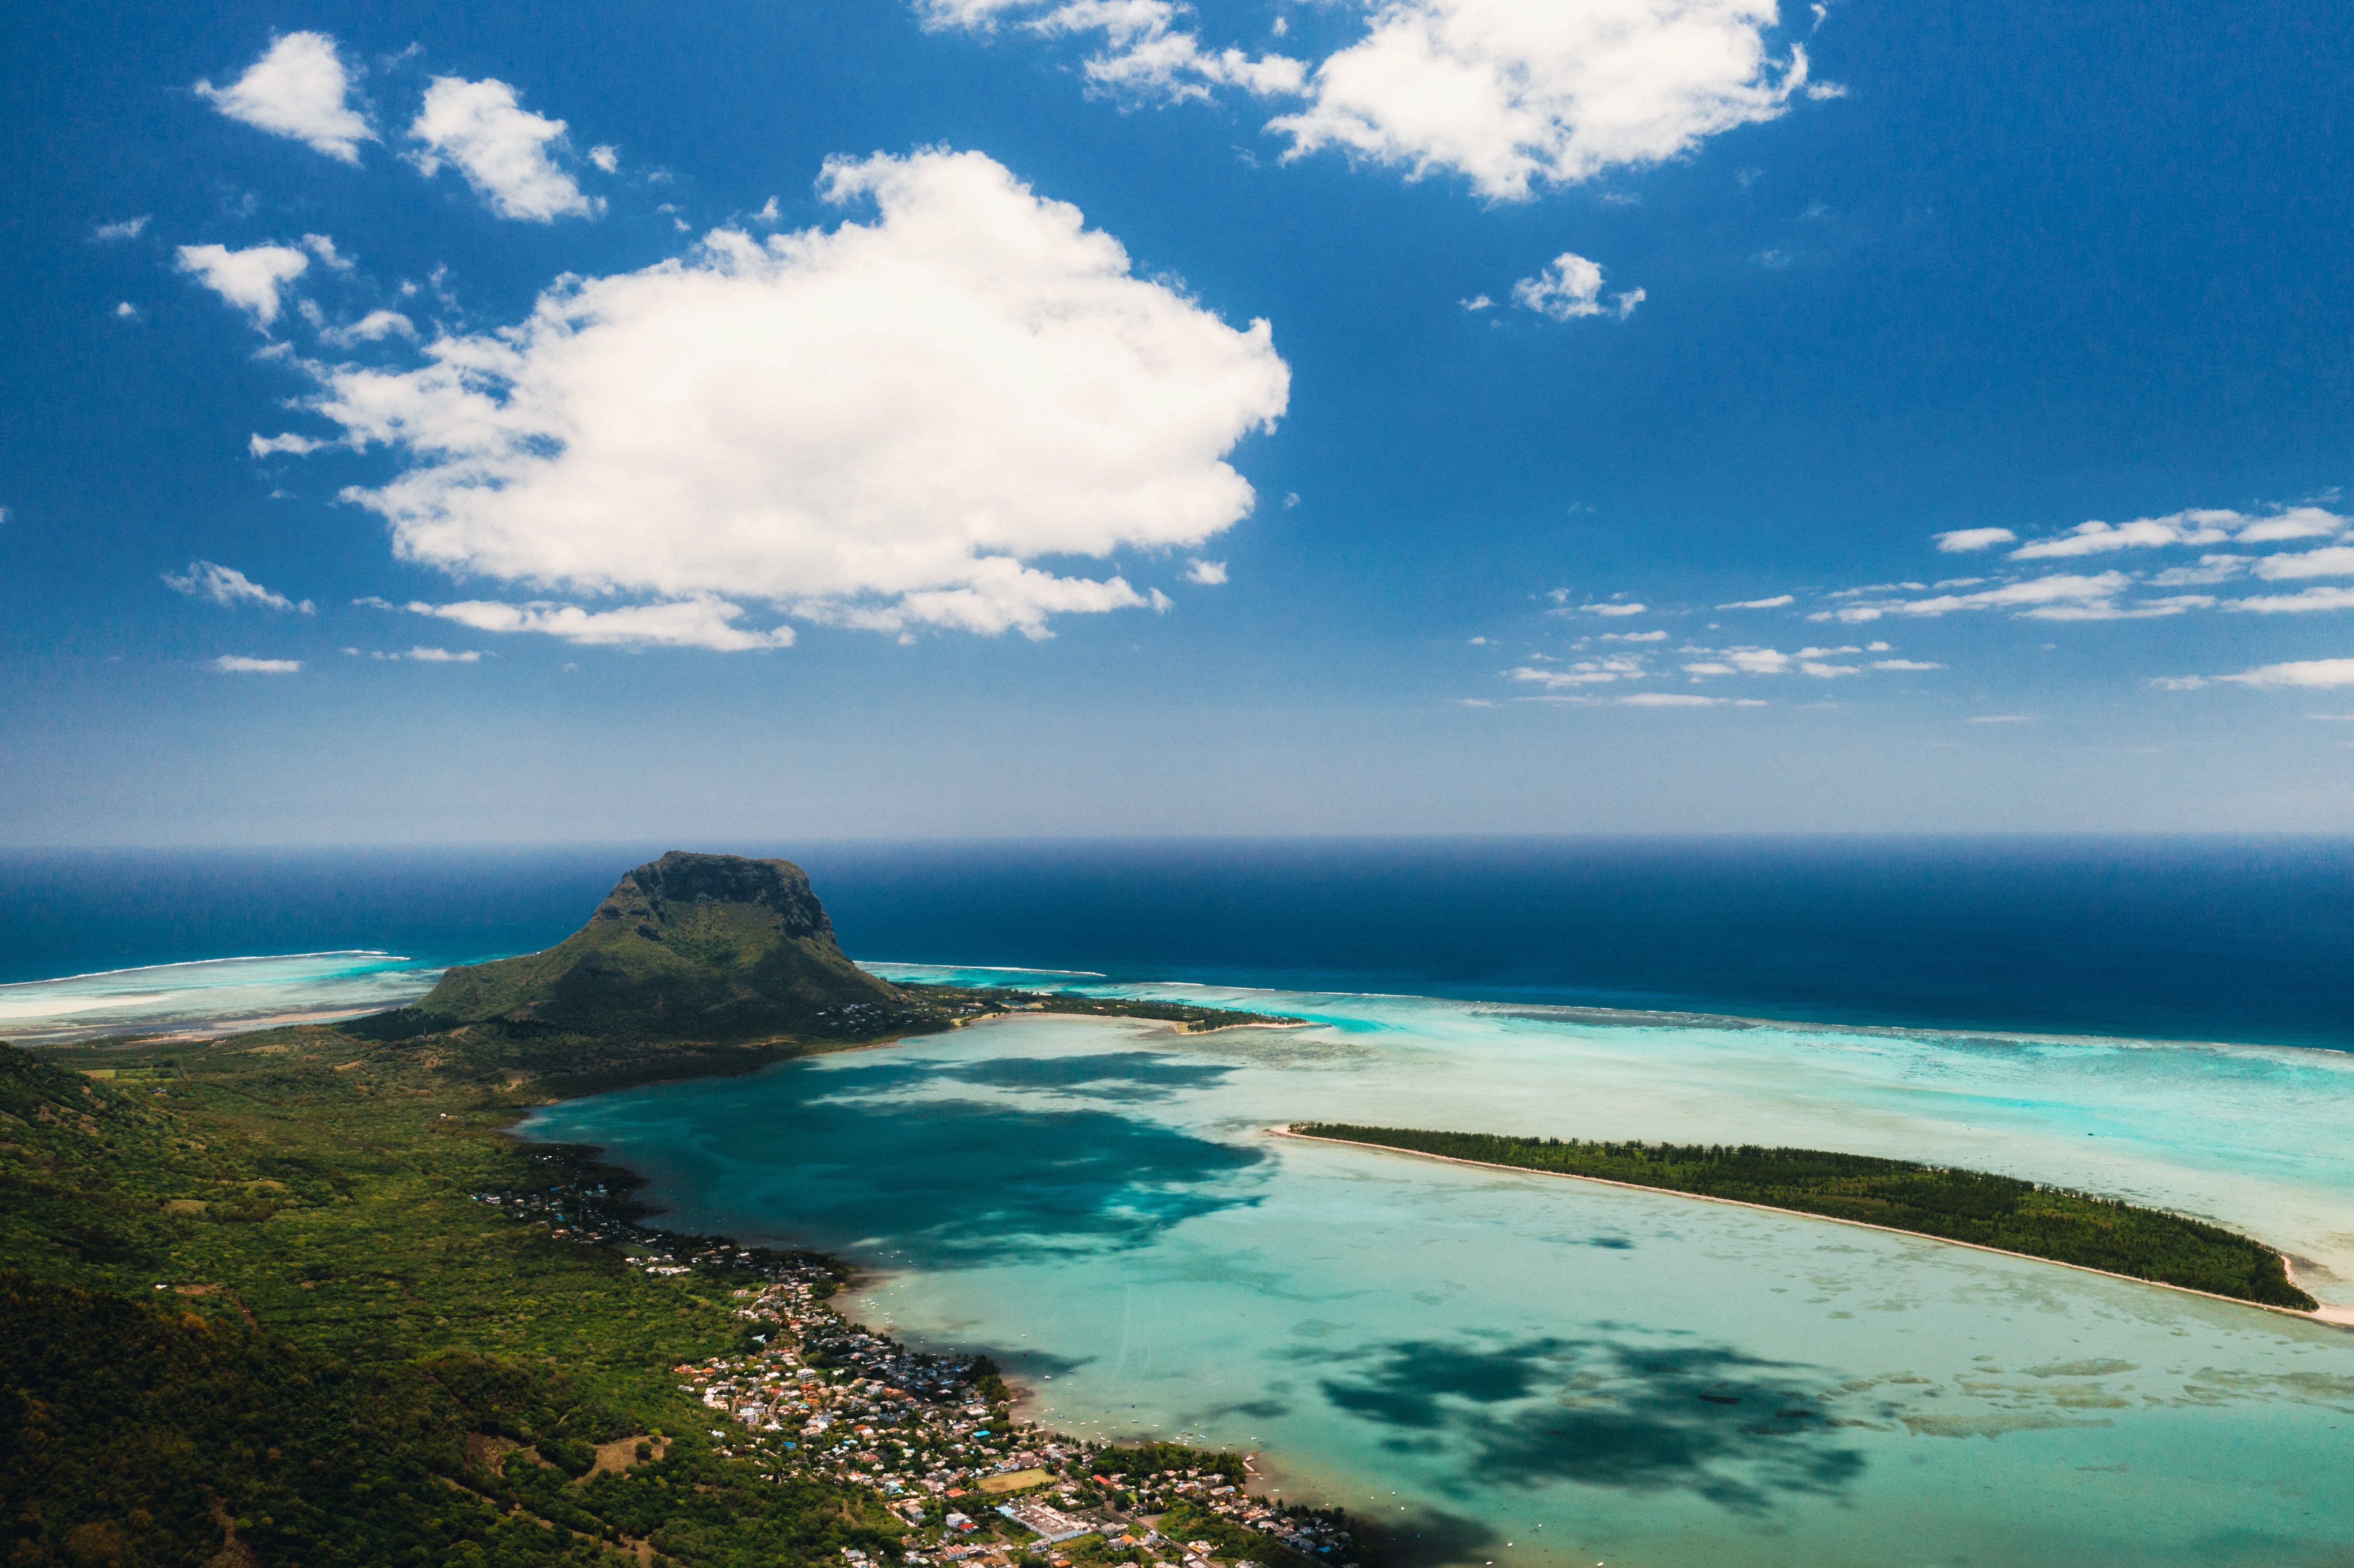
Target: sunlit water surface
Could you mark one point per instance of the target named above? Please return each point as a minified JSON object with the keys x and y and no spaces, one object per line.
{"x":1539,"y":1373}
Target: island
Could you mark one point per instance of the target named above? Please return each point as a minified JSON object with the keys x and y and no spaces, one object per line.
{"x":294,"y":1297}
{"x":2000,"y":1214}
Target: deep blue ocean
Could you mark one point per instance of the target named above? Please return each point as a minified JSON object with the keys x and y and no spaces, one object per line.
{"x":2248,"y":940}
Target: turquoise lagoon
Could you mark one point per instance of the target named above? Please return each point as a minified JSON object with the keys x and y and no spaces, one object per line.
{"x":1540,"y":1373}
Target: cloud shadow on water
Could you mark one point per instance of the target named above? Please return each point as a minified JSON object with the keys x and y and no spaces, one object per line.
{"x":1121,"y":1074}
{"x":1725,"y":1426}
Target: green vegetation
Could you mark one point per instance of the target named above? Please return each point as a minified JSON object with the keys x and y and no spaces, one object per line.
{"x":1955,"y":1205}
{"x":703,"y":947}
{"x":262,"y":1313}
{"x":957,"y":1002}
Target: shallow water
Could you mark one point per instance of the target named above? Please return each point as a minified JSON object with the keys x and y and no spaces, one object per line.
{"x":212,"y":996}
{"x":1550,"y":1373}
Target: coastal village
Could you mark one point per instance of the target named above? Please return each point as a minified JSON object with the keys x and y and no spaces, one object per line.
{"x":934,"y":1438}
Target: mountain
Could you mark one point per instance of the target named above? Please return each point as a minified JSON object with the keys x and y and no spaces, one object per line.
{"x":690,"y":947}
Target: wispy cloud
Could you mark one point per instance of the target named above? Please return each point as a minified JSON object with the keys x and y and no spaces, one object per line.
{"x":1777,"y":602}
{"x":703,"y":622}
{"x":433,"y":656}
{"x":1687,"y":700}
{"x":239,"y":664}
{"x":228,"y":588}
{"x":2303,"y":673}
{"x":2312,"y":599}
{"x":1960,"y":541}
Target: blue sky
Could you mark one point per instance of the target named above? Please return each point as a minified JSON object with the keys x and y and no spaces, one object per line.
{"x":1030,"y":417}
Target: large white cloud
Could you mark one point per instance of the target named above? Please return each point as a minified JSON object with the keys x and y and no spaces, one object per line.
{"x":882,"y":425}
{"x":1512,"y":94}
{"x":299,"y":88}
{"x":249,"y":279}
{"x":501,"y":147}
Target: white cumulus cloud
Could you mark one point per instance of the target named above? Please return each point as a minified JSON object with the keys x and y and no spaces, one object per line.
{"x":1777,"y":602}
{"x":2292,"y":522}
{"x":1510,"y":94}
{"x":228,"y":588}
{"x":239,"y":664}
{"x":249,"y":279}
{"x":878,"y":425}
{"x":299,"y":88}
{"x":1207,"y":573}
{"x":129,"y":228}
{"x":2332,"y":561}
{"x":1571,"y":287}
{"x":500,"y":147}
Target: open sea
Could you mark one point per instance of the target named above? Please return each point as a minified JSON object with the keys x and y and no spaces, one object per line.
{"x":1512,"y":1370}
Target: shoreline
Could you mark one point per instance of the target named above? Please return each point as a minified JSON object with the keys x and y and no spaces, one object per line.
{"x":2326,"y":1314}
{"x":1266,"y":1478}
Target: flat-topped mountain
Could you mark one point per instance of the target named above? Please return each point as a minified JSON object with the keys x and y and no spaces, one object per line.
{"x":689,"y":947}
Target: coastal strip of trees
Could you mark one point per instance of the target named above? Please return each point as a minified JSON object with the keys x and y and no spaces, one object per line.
{"x":1973,"y":1206}
{"x":957,"y":1002}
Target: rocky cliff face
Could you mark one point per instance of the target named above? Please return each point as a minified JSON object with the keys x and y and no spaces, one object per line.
{"x":646,"y":897}
{"x":689,"y":947}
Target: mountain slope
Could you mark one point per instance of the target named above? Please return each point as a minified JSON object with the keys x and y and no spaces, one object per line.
{"x":689,"y":947}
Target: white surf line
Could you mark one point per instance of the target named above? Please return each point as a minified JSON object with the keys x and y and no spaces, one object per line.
{"x":2321,"y":1315}
{"x":193,"y":963}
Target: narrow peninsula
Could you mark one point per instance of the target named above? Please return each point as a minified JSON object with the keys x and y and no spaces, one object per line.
{"x":2001,"y":1212}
